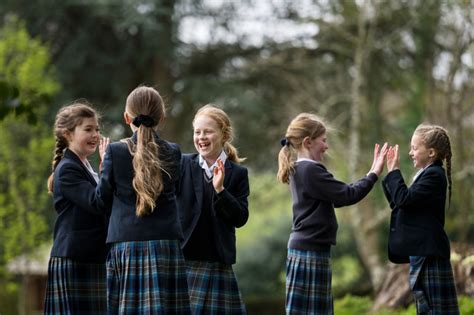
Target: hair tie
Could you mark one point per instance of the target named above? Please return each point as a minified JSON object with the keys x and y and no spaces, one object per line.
{"x":144,"y":120}
{"x":284,"y":142}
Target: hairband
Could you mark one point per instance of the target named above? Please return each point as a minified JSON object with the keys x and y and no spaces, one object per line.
{"x":284,"y":142}
{"x":144,"y":120}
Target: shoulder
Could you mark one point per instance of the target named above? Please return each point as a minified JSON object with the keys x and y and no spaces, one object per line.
{"x":66,"y":165}
{"x":312,"y":167}
{"x":188,"y":157}
{"x":237,"y":167}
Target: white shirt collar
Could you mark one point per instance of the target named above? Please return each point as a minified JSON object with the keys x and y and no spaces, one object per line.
{"x":209,"y":169}
{"x":307,"y":160}
{"x":420,"y":171}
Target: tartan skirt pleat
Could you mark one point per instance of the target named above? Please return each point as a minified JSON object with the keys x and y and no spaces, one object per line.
{"x":75,"y":287}
{"x":213,"y":289}
{"x":432,"y":284}
{"x":308,"y":282}
{"x":147,"y":277}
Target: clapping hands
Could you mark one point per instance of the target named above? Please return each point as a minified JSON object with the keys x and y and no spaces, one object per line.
{"x":393,"y":158}
{"x":379,"y":158}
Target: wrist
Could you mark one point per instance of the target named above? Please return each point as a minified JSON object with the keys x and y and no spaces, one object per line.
{"x":218,"y":189}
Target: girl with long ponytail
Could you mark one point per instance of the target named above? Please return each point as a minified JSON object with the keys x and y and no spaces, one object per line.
{"x":146,"y":273}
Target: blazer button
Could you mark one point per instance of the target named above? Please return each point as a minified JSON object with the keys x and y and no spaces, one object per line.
{"x":392,"y":229}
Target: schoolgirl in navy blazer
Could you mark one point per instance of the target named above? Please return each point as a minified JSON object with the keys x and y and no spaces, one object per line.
{"x":80,"y":229}
{"x":116,"y":190}
{"x":417,"y":219}
{"x":229,"y":208}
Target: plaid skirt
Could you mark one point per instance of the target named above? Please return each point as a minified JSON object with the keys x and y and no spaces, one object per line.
{"x":432,"y":284}
{"x":147,"y":277}
{"x":75,"y":288}
{"x":308,"y":282}
{"x":213,"y":289}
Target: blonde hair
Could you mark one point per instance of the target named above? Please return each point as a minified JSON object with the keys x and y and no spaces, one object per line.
{"x":437,"y":138}
{"x":67,"y":119}
{"x":146,"y":103}
{"x":302,"y":126}
{"x":224,"y":124}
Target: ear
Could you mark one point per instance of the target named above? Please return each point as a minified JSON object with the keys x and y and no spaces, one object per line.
{"x":432,"y":153}
{"x":127,"y":118}
{"x":306,"y":142}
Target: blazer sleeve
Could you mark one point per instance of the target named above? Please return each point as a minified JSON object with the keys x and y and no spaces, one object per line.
{"x":326,"y":187}
{"x":388,"y":196}
{"x":419,"y":191}
{"x":78,"y":189}
{"x":105,"y":189}
{"x":233,"y":206}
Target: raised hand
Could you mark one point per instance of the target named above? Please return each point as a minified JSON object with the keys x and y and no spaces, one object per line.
{"x":103,"y":143}
{"x":219,"y":174}
{"x":393,"y":158}
{"x":379,"y":158}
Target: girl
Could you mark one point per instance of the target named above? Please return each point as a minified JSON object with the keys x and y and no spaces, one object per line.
{"x":146,"y":273}
{"x":315,"y":193}
{"x":417,"y":233}
{"x":212,"y":200}
{"x":76,"y":270}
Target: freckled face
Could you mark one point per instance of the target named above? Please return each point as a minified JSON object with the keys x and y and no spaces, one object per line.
{"x":420,"y":155}
{"x":208,"y":138}
{"x":83,"y":140}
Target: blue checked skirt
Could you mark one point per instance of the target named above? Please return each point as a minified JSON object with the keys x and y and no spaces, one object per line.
{"x":147,"y":277}
{"x":432,"y":284}
{"x":213,"y":289}
{"x":308,"y":282}
{"x":75,"y":288}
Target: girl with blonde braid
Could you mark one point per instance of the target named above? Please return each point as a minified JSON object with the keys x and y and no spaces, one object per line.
{"x":417,"y":233}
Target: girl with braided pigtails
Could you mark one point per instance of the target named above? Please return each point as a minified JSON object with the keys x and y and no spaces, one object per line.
{"x":417,"y":233}
{"x":76,"y":270}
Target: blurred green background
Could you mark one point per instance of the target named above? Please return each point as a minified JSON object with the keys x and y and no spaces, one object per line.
{"x":373,"y":69}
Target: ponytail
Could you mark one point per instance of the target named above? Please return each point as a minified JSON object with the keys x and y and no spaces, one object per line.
{"x":232,"y":153}
{"x":302,"y":126}
{"x":285,"y":165}
{"x":148,"y":180}
{"x":145,"y":105}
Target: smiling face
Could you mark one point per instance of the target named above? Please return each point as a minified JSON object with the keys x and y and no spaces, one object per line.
{"x":419,"y":153}
{"x":317,"y":147}
{"x":208,"y":138}
{"x":83,"y":140}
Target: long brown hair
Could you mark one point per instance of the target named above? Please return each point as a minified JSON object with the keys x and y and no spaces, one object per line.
{"x":148,"y":181}
{"x":437,"y":138}
{"x":67,"y":119}
{"x":225,"y":126}
{"x":302,"y":126}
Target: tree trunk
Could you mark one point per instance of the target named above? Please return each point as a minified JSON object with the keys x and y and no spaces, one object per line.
{"x":363,"y":213}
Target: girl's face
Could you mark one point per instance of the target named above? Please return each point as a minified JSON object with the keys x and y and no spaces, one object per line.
{"x":208,"y":138}
{"x":84,"y":139}
{"x":317,"y":147}
{"x":419,"y":153}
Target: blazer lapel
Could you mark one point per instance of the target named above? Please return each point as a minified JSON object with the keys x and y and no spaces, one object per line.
{"x":196,"y":175}
{"x":71,"y":155}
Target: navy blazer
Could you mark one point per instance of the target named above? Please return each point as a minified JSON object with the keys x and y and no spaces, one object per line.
{"x":115,"y":191}
{"x":230,"y":207}
{"x":80,"y":229}
{"x":417,"y":219}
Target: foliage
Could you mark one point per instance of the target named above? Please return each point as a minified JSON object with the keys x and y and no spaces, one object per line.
{"x":261,"y":252}
{"x":25,"y":148}
{"x":26,"y":76}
